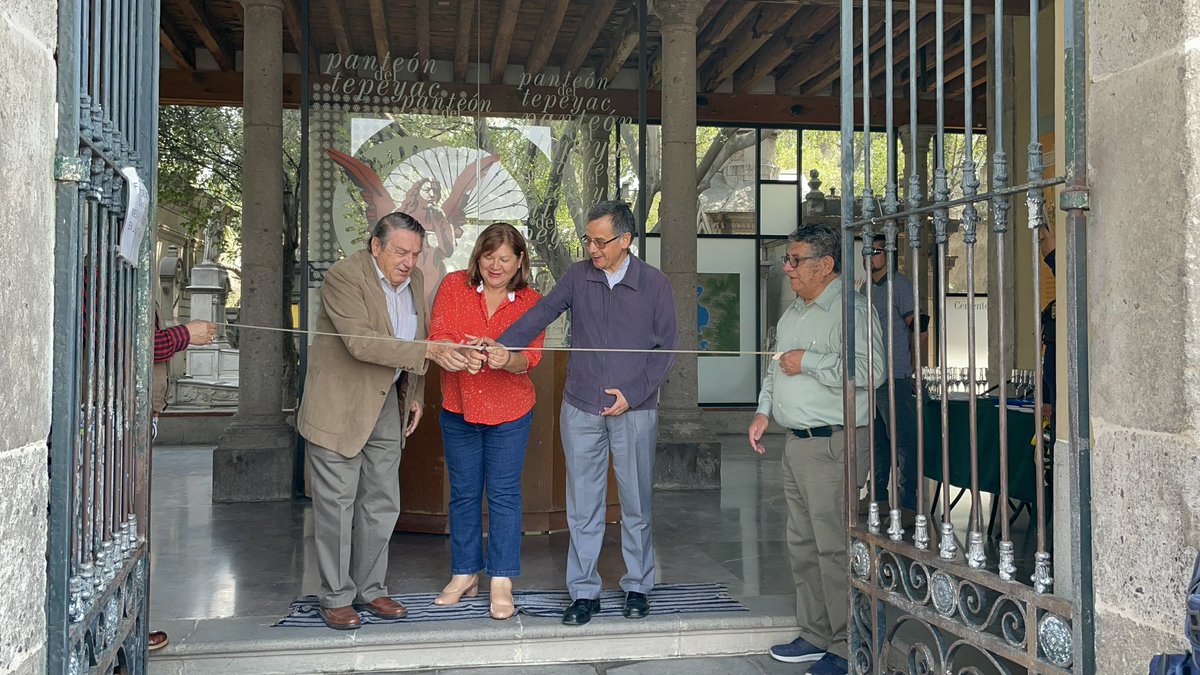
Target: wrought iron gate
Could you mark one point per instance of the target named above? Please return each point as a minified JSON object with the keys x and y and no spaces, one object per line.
{"x":98,"y":564}
{"x":933,"y":599}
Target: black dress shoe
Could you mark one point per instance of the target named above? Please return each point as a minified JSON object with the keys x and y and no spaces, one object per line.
{"x":636,"y":605}
{"x":581,"y":611}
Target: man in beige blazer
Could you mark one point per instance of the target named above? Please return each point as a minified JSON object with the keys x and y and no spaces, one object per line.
{"x":363,"y":395}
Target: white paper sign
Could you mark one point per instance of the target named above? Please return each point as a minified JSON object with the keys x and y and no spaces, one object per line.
{"x":134,"y":228}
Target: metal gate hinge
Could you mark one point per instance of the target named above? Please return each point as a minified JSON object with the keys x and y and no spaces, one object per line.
{"x":70,"y":169}
{"x":1071,"y":200}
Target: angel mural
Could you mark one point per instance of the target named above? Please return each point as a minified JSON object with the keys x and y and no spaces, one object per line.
{"x":444,"y":188}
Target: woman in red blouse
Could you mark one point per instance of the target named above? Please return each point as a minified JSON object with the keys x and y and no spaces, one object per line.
{"x":486,"y":413}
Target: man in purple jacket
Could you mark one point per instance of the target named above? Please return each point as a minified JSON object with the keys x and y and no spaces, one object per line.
{"x":611,"y":400}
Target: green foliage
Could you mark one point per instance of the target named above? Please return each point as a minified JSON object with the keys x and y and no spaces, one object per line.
{"x":200,"y":163}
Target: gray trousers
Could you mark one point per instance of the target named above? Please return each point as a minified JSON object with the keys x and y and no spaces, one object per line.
{"x":587,"y":440}
{"x":356,"y":501}
{"x":814,"y":485}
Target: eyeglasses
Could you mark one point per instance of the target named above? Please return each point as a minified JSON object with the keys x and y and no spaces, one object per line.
{"x":877,"y":251}
{"x":588,"y":241}
{"x":795,"y":260}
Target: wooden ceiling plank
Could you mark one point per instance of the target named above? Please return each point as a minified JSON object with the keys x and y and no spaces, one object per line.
{"x":175,"y":44}
{"x":710,"y":12}
{"x":462,"y":42}
{"x":291,"y":21}
{"x":798,"y":38}
{"x":225,"y":89}
{"x":926,"y":33}
{"x":593,"y":23}
{"x":222,"y":52}
{"x":502,"y":43}
{"x":424,"y":53}
{"x":979,"y":55}
{"x":379,"y":29}
{"x":337,"y":22}
{"x":754,"y":32}
{"x":622,"y":48}
{"x":831,"y":73}
{"x":805,"y":68}
{"x":722,"y":25}
{"x":547,"y":34}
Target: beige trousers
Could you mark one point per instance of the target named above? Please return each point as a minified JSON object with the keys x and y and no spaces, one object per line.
{"x":815,"y":487}
{"x":356,"y":501}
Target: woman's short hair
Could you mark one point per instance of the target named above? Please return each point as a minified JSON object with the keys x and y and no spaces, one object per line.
{"x":493,"y":237}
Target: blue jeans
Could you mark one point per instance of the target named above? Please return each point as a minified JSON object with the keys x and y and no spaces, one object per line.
{"x":479,"y":456}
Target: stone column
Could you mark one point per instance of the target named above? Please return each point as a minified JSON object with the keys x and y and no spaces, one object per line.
{"x":254,"y":459}
{"x":689,"y":455}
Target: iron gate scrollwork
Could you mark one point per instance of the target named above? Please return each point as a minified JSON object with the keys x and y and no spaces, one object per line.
{"x":98,"y":564}
{"x":926,"y":598}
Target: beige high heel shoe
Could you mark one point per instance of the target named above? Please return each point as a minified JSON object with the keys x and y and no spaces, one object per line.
{"x":502,"y":606}
{"x":460,"y":585}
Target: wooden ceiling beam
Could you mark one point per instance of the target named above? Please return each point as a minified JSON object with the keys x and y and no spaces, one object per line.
{"x":379,"y":29}
{"x":291,"y":21}
{"x":337,"y":22}
{"x":424,"y":53}
{"x":754,"y":32}
{"x":547,"y":34}
{"x":979,"y":54}
{"x":222,"y":52}
{"x":462,"y":42}
{"x":797,"y":39}
{"x":806,"y":67}
{"x":589,"y":31}
{"x":955,"y":88}
{"x":622,"y":48}
{"x":953,"y":49}
{"x":833,"y":71}
{"x":926,"y":33}
{"x":502,"y":42}
{"x":225,"y":89}
{"x":723,"y":24}
{"x":175,"y":44}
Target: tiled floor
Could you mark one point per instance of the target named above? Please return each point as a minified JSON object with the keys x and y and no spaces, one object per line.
{"x":234,"y":560}
{"x":239,"y":560}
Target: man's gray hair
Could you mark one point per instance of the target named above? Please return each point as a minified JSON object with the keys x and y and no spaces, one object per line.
{"x":397,"y":220}
{"x":620,"y":213}
{"x":823,"y":240}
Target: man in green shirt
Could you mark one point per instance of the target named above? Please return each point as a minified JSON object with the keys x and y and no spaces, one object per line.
{"x":803,"y":392}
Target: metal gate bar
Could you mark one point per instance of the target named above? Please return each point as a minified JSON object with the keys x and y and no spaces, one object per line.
{"x":965,"y":606}
{"x":99,"y":460}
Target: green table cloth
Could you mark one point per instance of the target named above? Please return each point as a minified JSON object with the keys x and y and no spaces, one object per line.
{"x":1022,"y":462}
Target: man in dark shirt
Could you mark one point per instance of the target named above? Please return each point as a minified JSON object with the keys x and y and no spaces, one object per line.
{"x":904,"y":427}
{"x":610,"y":400}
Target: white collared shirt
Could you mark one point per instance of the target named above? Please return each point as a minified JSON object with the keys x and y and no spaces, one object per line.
{"x":402,"y":310}
{"x":615,"y":278}
{"x":512,"y":295}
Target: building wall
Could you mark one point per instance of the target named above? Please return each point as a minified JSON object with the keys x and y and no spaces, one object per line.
{"x":28,"y":114}
{"x":1144,"y":267}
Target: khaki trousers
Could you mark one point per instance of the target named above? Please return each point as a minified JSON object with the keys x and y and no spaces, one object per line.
{"x":356,"y":501}
{"x":815,"y":488}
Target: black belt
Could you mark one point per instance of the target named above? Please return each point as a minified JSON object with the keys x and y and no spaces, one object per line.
{"x":816,"y":432}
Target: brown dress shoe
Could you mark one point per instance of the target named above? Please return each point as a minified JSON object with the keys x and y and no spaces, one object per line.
{"x":384,"y":608}
{"x":156,"y":640}
{"x":341,"y":618}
